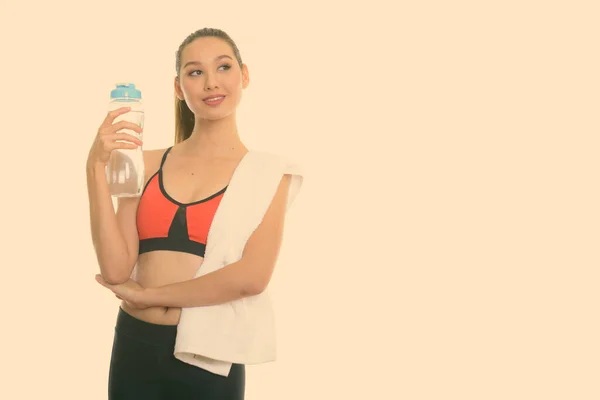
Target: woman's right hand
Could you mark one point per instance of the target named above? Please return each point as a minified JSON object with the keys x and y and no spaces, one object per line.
{"x":108,"y":135}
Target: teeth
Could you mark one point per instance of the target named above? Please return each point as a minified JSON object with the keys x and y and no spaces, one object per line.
{"x":214,"y":98}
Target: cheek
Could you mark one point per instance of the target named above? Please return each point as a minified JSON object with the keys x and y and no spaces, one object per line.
{"x":234,"y":81}
{"x":185,"y":89}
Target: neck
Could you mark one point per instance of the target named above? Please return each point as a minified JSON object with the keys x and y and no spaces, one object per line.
{"x":215,"y":138}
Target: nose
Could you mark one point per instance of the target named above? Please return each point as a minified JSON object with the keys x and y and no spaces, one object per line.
{"x":211,"y":82}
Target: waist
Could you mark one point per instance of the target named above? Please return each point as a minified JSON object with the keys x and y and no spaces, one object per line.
{"x":166,"y":316}
{"x":157,"y":334}
{"x":161,"y":268}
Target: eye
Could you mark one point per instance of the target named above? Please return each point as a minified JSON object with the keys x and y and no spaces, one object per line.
{"x":227,"y":67}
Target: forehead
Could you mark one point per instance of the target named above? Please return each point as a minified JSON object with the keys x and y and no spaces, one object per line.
{"x":205,"y":50}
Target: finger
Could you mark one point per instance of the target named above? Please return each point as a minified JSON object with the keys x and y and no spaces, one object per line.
{"x":124,"y":136}
{"x":120,"y":145}
{"x":101,"y":281}
{"x":112,"y":115}
{"x":118,"y":142}
{"x":119,"y":127}
{"x":127,"y":125}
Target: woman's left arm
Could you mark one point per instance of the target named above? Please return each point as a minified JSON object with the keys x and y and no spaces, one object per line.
{"x":248,"y":276}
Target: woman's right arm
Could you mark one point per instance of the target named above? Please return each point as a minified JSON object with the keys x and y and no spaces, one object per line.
{"x":114,"y":235}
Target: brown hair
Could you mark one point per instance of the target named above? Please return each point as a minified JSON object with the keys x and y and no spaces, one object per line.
{"x":184,"y":117}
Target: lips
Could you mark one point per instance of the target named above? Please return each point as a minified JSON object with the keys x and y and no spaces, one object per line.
{"x":214,"y":100}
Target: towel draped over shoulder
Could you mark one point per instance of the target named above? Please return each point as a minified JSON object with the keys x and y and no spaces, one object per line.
{"x":241,"y":331}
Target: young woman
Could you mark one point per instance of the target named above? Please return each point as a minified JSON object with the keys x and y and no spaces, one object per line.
{"x":184,"y":185}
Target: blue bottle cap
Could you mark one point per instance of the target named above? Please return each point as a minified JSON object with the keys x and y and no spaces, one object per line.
{"x":125,"y":90}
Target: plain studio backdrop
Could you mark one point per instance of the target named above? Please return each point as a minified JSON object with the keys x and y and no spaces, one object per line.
{"x":444,"y":244}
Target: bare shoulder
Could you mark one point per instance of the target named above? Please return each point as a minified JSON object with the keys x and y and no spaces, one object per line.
{"x":152,"y":160}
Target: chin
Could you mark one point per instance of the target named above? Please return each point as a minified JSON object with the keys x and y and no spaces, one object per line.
{"x":215,"y":116}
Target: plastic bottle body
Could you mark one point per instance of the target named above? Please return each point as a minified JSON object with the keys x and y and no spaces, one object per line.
{"x":125,"y":169}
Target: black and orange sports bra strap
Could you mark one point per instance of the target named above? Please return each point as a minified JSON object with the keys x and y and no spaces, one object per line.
{"x":164,"y":157}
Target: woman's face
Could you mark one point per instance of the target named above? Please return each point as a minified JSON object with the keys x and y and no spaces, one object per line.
{"x":209,"y":69}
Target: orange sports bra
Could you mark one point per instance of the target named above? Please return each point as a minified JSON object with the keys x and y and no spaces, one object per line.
{"x":163,"y":223}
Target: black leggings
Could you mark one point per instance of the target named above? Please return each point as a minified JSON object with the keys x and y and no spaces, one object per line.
{"x":142,"y":366}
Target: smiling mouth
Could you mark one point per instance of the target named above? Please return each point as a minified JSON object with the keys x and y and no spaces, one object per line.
{"x":212,"y":99}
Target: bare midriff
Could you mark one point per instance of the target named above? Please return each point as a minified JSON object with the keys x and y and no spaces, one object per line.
{"x":160,"y":268}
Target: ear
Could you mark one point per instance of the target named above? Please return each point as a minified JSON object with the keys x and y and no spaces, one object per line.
{"x":177,"y":88}
{"x":245,"y":76}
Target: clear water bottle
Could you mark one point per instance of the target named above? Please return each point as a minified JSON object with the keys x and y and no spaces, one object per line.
{"x":125,"y":169}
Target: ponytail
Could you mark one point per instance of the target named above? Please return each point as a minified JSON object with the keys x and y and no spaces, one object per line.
{"x":184,"y":121}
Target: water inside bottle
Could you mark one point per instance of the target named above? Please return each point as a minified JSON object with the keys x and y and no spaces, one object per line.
{"x":125,"y":170}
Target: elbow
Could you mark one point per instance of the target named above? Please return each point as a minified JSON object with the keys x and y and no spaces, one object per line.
{"x":255,"y":287}
{"x":114,"y":279}
{"x":255,"y":278}
{"x":115,"y":276}
{"x":117,"y":271}
{"x":252,"y":290}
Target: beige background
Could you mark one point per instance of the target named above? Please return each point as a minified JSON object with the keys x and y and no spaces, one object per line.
{"x":444,"y":245}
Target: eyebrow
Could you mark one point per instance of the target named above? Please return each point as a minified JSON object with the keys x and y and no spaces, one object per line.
{"x":198,"y":62}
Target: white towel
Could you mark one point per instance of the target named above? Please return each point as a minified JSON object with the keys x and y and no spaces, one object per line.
{"x":241,"y":331}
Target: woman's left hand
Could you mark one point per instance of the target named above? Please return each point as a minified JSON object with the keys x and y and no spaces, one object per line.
{"x":129,"y":291}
